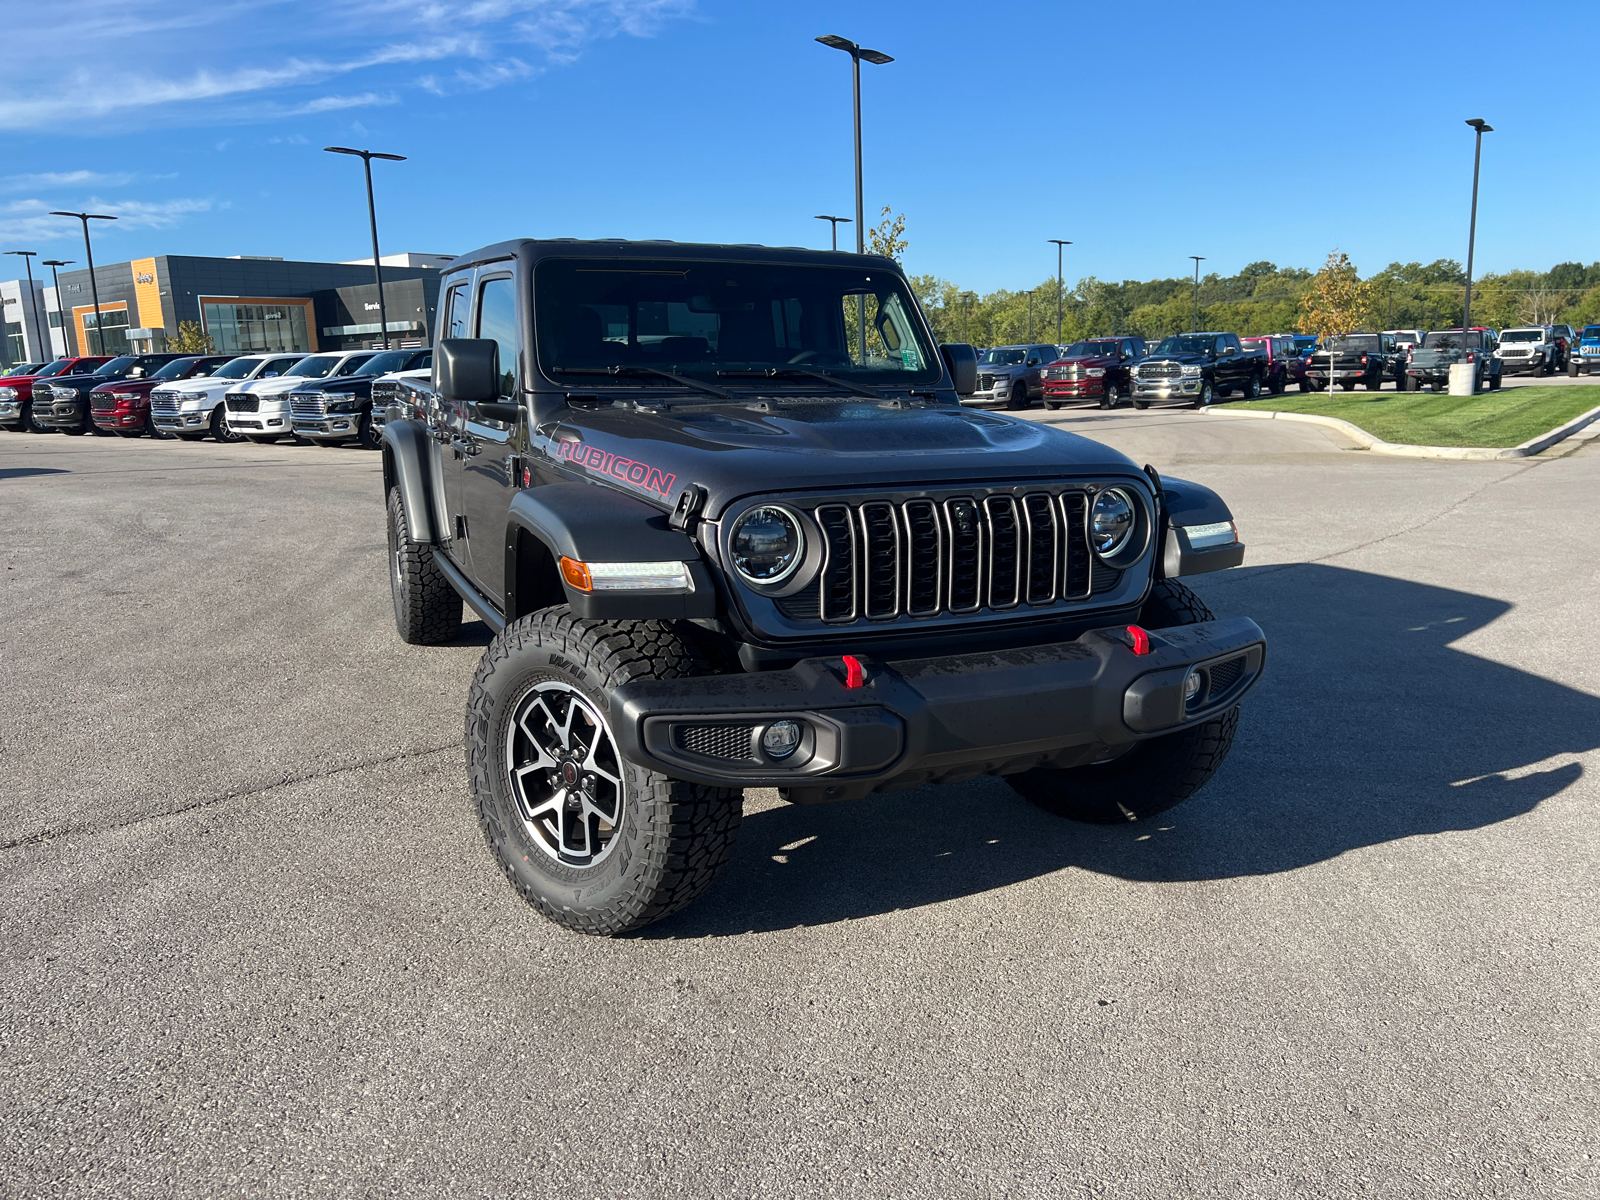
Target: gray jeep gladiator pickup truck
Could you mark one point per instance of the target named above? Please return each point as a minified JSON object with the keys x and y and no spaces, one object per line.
{"x":727,"y":535}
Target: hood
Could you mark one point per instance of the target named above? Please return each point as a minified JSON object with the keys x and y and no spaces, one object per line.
{"x":130,"y":385}
{"x":790,"y":445}
{"x":278,"y":385}
{"x":1180,"y":357}
{"x":350,"y":383}
{"x":202,"y":383}
{"x":80,"y":381}
{"x":1088,"y":360}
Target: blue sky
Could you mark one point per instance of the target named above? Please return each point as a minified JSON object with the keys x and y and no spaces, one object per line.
{"x":1144,"y":133}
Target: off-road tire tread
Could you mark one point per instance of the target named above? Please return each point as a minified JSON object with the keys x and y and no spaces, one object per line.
{"x":693,"y":826}
{"x":432,"y":607}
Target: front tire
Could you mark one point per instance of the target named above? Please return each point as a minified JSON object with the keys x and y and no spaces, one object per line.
{"x":427,"y":610}
{"x":1018,"y":398}
{"x":596,"y":843}
{"x":219,"y":427}
{"x":368,"y":437}
{"x":1206,"y":396}
{"x":1572,"y":369}
{"x":1155,"y":774}
{"x":1111,"y":396}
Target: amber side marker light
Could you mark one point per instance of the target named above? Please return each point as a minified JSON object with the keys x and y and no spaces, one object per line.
{"x":625,"y":577}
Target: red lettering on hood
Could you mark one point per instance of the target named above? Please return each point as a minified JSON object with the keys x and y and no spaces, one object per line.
{"x":626,"y":470}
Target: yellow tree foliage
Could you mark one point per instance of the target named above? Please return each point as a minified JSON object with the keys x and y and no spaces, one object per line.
{"x":1338,"y":300}
{"x":192,"y":339}
{"x":888,"y":237}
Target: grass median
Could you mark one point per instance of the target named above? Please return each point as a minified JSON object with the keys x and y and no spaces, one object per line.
{"x":1508,"y":417}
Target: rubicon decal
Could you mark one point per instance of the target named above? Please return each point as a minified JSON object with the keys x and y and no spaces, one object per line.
{"x":615,"y":465}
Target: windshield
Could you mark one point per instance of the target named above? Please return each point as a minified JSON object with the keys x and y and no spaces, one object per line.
{"x":1590,"y":332}
{"x":22,"y":369}
{"x":117,"y":367}
{"x":1186,"y":344}
{"x":60,"y":366}
{"x":1522,"y":335}
{"x":176,"y":369}
{"x":238,"y":368}
{"x":1449,"y":339}
{"x":1093,"y":350}
{"x":1002,"y":358}
{"x":315,"y":367}
{"x":698,"y":319}
{"x":1359,"y":343}
{"x":389,"y":360}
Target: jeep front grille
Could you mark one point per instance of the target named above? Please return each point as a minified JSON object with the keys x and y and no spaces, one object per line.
{"x":306,"y":406}
{"x":244,"y":403}
{"x":989,"y":552}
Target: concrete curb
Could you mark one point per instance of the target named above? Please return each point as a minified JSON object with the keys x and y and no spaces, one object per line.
{"x":1378,"y":446}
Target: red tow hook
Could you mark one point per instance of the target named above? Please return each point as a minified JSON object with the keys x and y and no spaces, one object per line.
{"x":1141,"y":640}
{"x":854,"y":675}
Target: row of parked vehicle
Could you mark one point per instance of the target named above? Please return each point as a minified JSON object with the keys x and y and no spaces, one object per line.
{"x":1200,"y":368}
{"x":318,"y":397}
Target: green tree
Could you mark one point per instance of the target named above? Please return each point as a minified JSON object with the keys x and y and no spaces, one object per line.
{"x":887,"y":237}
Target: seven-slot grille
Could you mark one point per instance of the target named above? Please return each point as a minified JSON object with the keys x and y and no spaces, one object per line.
{"x":924,"y":557}
{"x":164,"y":404}
{"x":306,"y":406}
{"x":1160,"y":370}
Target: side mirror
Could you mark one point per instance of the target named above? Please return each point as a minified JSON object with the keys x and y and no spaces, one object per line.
{"x":961,"y":360}
{"x":468,"y":370}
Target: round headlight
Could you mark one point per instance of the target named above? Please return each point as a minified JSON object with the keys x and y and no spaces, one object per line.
{"x":767,"y":544}
{"x":1111,"y":521}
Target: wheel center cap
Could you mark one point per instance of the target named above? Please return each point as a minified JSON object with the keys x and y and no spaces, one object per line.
{"x":569,"y":773}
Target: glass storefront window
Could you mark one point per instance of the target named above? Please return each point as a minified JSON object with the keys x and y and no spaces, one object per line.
{"x":14,"y":352}
{"x":255,"y":328}
{"x":109,"y":337}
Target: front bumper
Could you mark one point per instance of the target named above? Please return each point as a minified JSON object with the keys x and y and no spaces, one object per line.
{"x":335,"y":427}
{"x":1073,"y":389}
{"x":10,"y":412}
{"x":1165,"y":389}
{"x":54,"y":413}
{"x":182,"y":422}
{"x":938,"y":720}
{"x":267,"y":418}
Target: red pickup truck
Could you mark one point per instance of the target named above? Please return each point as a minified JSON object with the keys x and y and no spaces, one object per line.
{"x":1097,"y":368}
{"x":123,"y":406}
{"x":16,"y":392}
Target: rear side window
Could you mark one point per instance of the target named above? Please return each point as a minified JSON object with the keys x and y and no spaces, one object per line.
{"x":497,"y":320}
{"x":454,"y":311}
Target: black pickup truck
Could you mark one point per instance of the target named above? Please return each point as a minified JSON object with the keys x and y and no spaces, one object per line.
{"x":1199,"y":368}
{"x":726,"y":537}
{"x":1357,"y":358}
{"x":339,"y":408}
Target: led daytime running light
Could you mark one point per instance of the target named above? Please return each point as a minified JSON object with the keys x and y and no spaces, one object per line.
{"x":626,"y":576}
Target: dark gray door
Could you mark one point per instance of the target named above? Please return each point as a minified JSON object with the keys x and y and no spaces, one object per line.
{"x":446,"y":427}
{"x":486,"y":483}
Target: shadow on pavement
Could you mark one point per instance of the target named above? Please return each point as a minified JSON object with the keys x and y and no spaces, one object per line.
{"x":24,"y":472}
{"x":1367,"y":727}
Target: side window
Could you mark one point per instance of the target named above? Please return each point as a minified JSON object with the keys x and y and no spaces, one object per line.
{"x":1222,"y":345}
{"x":454,"y":311}
{"x":497,"y":320}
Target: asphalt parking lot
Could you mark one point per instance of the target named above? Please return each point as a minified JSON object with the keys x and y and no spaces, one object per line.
{"x":253,"y":944}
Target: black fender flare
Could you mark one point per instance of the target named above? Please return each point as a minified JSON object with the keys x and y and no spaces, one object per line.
{"x":1182,"y":504}
{"x":406,"y":466}
{"x":593,"y":523}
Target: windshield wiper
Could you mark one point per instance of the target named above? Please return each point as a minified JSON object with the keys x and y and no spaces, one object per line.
{"x":634,"y":369}
{"x":802,"y":373}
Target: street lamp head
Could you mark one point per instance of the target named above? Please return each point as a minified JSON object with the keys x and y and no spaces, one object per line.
{"x":1198,"y":257}
{"x":834,"y":41}
{"x":84,"y":216}
{"x":1059,"y":242}
{"x":363,"y":153}
{"x":25,"y":253}
{"x":846,"y":220}
{"x":1481,"y":125}
{"x":57,"y":262}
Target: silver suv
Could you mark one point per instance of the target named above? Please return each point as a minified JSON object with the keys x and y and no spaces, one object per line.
{"x":1013,"y":375}
{"x":1532,"y":348}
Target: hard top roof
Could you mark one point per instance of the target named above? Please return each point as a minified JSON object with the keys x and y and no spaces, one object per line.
{"x":532,"y":249}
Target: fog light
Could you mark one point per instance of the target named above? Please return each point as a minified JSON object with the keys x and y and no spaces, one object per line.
{"x":781,"y":739}
{"x":1191,"y":686}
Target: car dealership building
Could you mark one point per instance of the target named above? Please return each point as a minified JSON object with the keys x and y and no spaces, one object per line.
{"x":244,"y":303}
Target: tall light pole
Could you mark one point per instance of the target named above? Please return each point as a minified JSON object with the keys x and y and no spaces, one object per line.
{"x":835,"y":227}
{"x":1482,"y":127}
{"x":94,"y":288}
{"x":1198,"y":259}
{"x":879,"y":58}
{"x":53,"y":263}
{"x":966,"y":308}
{"x":1060,"y":245}
{"x":366,"y":157}
{"x":28,"y":256}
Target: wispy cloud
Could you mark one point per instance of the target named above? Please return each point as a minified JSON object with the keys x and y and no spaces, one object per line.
{"x":476,"y":34}
{"x":65,"y":179}
{"x":30,"y":220}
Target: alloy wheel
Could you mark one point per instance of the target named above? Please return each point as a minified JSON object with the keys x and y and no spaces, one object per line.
{"x":564,"y":774}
